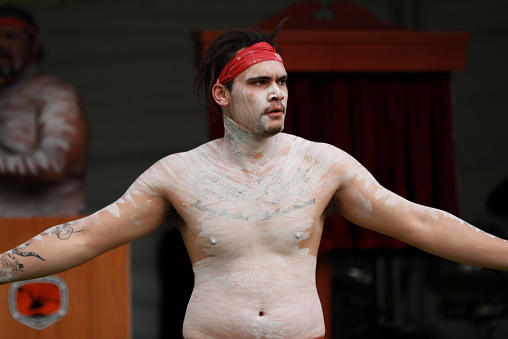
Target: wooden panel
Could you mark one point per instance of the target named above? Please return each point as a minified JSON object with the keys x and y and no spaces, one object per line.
{"x":99,"y":291}
{"x":367,"y":51}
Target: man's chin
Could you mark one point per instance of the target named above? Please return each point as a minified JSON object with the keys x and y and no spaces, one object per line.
{"x":271,"y":131}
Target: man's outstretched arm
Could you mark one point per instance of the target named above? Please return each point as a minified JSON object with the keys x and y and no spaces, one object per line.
{"x":139,"y":212}
{"x":365,"y":202}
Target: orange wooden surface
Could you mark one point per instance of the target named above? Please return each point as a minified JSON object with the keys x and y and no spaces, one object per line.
{"x":99,"y":291}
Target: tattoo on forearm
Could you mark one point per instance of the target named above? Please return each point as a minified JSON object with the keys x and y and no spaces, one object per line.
{"x":17,"y":251}
{"x":9,"y":263}
{"x":8,"y":267}
{"x":64,"y":231}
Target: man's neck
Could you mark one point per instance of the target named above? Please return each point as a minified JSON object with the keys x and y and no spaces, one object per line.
{"x":246,"y":149}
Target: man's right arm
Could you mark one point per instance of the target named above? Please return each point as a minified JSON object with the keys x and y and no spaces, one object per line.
{"x":139,"y":212}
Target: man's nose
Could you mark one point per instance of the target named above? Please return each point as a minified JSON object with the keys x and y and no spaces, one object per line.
{"x":275,"y":94}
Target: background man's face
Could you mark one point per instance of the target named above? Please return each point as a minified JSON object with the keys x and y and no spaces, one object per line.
{"x":15,"y":52}
{"x":259,"y":98}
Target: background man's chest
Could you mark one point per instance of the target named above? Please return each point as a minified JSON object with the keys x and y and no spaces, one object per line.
{"x":18,"y":126}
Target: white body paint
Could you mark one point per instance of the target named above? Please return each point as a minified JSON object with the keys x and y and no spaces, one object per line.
{"x":253,"y":231}
{"x":253,"y":210}
{"x":42,"y":138}
{"x":249,"y":234}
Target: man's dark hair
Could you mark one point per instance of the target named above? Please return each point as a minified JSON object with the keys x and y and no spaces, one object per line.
{"x":224,"y":48}
{"x":13,"y":11}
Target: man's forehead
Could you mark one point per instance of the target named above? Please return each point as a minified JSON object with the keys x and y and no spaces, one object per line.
{"x":265,"y":69}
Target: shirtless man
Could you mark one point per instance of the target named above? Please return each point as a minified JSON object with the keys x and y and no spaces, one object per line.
{"x":43,"y":132}
{"x":251,"y":208}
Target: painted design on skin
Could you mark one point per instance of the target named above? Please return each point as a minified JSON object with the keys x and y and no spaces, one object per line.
{"x":280,"y":212}
{"x":222,"y":191}
{"x":236,"y":136}
{"x":9,"y":264}
{"x":278,"y":189}
{"x":356,"y":172}
{"x":275,"y":187}
{"x":145,"y":184}
{"x":63,"y":231}
{"x":17,"y":251}
{"x":223,"y":213}
{"x":209,"y":184}
{"x":223,"y":199}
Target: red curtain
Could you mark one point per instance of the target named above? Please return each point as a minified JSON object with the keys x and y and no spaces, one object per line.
{"x":398,"y":125}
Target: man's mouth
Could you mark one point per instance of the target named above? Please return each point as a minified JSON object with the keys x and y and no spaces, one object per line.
{"x":275,"y":111}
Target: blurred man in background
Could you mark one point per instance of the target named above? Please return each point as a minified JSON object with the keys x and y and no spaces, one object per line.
{"x":43,"y":131}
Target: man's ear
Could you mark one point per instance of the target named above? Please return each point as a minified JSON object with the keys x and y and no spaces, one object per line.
{"x":220,"y":94}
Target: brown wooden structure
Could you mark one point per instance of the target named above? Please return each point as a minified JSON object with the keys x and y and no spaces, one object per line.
{"x":99,"y":291}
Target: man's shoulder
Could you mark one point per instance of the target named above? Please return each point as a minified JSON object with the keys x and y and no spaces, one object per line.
{"x":178,"y":166}
{"x":201,"y":152}
{"x":45,"y":84}
{"x":312,"y":147}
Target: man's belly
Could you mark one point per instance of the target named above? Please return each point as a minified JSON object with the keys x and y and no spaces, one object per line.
{"x":271,"y":298}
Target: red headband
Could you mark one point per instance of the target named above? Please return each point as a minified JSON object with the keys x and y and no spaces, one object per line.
{"x":14,"y":22}
{"x":262,"y":51}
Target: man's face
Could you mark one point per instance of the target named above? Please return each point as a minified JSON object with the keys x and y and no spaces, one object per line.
{"x":15,"y":52}
{"x":259,"y":98}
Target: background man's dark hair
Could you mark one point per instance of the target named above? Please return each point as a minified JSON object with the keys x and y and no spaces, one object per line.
{"x":13,"y":11}
{"x":224,"y":48}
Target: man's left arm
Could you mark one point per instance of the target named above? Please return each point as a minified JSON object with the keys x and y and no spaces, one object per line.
{"x":365,"y":202}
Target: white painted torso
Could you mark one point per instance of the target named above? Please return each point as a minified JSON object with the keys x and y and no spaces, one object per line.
{"x":252,"y":235}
